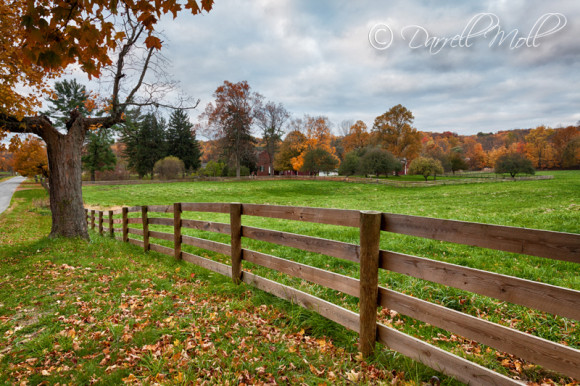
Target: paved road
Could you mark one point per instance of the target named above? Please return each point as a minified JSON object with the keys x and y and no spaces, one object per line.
{"x":7,"y":189}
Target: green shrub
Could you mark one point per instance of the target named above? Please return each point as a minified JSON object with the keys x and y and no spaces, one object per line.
{"x":169,"y":168}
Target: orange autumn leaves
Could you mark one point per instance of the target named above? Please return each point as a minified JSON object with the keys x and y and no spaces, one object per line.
{"x":40,"y":39}
{"x":29,"y":156}
{"x":317,"y":136}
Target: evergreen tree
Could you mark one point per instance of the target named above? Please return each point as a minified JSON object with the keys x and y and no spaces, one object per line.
{"x":70,"y":95}
{"x":145,"y":141}
{"x":181,"y":141}
{"x":98,"y":154}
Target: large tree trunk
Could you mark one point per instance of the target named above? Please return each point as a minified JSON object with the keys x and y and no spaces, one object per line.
{"x":66,"y":200}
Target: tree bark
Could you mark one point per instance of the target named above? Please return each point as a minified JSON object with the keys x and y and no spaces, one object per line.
{"x":66,"y":200}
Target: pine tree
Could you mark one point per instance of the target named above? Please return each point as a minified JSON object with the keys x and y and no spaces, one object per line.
{"x":70,"y":95}
{"x":181,"y":141}
{"x":145,"y":140}
{"x":98,"y":154}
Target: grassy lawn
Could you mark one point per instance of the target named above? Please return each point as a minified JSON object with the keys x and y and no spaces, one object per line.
{"x":103,"y":312}
{"x":549,"y":204}
{"x":157,"y":320}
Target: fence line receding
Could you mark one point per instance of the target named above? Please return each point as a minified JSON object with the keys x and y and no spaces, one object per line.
{"x":559,"y":301}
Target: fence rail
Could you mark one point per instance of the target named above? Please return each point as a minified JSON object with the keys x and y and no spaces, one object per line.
{"x":560,"y":301}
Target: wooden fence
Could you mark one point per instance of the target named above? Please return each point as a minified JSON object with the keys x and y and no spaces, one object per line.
{"x":552,"y":299}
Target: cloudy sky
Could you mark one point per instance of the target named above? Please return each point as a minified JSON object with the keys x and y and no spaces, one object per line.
{"x":351,"y":60}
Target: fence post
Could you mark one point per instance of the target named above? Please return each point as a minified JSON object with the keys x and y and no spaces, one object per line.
{"x":92,"y":219}
{"x":87,"y":216}
{"x":177,"y":230}
{"x":145,"y":228}
{"x":101,"y":222}
{"x":125,"y":211}
{"x":111,"y":229}
{"x":370,"y":234}
{"x":236,"y":240}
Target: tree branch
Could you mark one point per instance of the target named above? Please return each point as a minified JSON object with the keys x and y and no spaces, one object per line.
{"x":39,"y":125}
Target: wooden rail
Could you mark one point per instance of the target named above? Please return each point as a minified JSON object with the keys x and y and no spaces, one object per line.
{"x":548,"y":298}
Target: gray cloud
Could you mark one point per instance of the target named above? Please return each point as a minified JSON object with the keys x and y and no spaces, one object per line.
{"x":315,"y":57}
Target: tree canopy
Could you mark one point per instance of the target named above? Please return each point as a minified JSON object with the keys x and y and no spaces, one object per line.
{"x":514,"y":164}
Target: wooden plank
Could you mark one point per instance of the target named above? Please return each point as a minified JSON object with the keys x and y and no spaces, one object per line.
{"x":134,"y":220}
{"x":220,"y":268}
{"x":236,"y":241}
{"x":342,"y":217}
{"x":133,"y":209}
{"x":125,"y":224}
{"x":370,"y":237}
{"x":145,"y":218}
{"x":331,"y":280}
{"x":214,"y":207}
{"x":207,"y":244}
{"x":117,"y":221}
{"x":139,"y":243}
{"x":135,"y":231}
{"x":440,"y":360}
{"x":118,"y":230}
{"x":553,"y":245}
{"x":330,"y":311}
{"x":117,"y":211}
{"x":209,"y":226}
{"x":333,"y":248}
{"x":161,"y":208}
{"x":540,"y":351}
{"x":161,"y":221}
{"x":101,"y":222}
{"x":544,"y":297}
{"x":161,"y":235}
{"x":161,"y":249}
{"x":177,"y":230}
{"x":111,"y":229}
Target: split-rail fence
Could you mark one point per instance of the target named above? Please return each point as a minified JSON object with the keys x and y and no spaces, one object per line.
{"x":559,"y":301}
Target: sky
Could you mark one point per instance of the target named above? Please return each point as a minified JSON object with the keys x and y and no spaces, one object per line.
{"x":351,"y":60}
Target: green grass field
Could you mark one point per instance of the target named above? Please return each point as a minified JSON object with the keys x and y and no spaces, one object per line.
{"x":28,"y":268}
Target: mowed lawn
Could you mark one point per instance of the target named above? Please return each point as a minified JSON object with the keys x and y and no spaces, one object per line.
{"x":544,"y":204}
{"x":104,"y":312}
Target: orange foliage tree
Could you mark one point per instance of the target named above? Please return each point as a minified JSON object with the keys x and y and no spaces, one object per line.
{"x":293,"y":145}
{"x":358,"y":137}
{"x":318,"y":136}
{"x":29,"y":156}
{"x":393,"y":131}
{"x":538,"y":147}
{"x":39,"y":39}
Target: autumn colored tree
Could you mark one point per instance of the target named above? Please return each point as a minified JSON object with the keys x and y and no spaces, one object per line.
{"x":567,"y":147}
{"x":292,"y":146}
{"x":29,"y":156}
{"x":426,"y":167}
{"x":270,"y":119}
{"x":538,"y":147}
{"x":318,"y":136}
{"x":393,"y":132}
{"x":358,"y":137}
{"x":229,"y":119}
{"x":39,"y":40}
